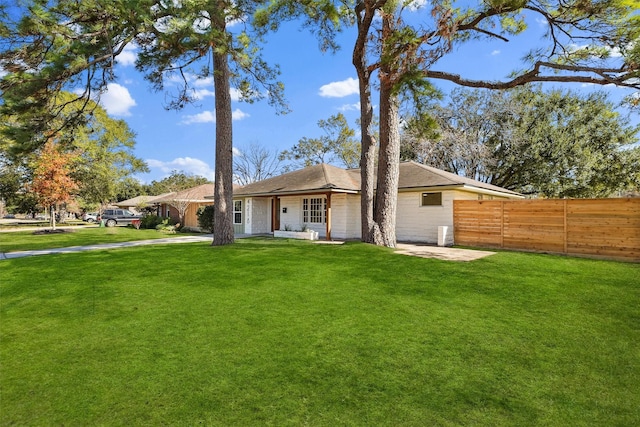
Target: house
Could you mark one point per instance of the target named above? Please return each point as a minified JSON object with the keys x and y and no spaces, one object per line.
{"x":326,"y":199}
{"x":185,"y":203}
{"x":137,"y":203}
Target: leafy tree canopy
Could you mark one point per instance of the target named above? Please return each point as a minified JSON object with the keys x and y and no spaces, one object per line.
{"x":551,"y":144}
{"x":337,"y":145}
{"x":103,"y":147}
{"x":175,"y":182}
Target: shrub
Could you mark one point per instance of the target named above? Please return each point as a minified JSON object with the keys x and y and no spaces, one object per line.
{"x":166,"y":227}
{"x":150,"y":221}
{"x":205,"y":218}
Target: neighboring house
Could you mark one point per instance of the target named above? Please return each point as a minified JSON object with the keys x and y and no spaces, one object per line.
{"x":185,"y":202}
{"x":326,"y":199}
{"x":138,"y":202}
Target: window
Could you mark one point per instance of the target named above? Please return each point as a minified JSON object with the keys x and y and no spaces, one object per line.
{"x":431,"y":199}
{"x":237,"y":211}
{"x":314,"y":210}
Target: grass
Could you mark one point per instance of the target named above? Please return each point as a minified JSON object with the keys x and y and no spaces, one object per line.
{"x":27,"y":240}
{"x":271,"y":332}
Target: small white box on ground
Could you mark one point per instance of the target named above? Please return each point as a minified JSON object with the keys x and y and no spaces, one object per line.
{"x":445,"y":236}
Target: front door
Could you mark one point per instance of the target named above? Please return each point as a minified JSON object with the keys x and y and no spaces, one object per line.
{"x":275,"y":214}
{"x":238,"y":223}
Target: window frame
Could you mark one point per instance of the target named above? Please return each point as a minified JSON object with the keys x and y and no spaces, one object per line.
{"x":430,"y":193}
{"x":237,"y":212}
{"x":314,"y":210}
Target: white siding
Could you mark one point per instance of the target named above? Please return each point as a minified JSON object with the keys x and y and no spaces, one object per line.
{"x":291,"y":219}
{"x":415,"y":223}
{"x":258,"y":215}
{"x":345,"y":216}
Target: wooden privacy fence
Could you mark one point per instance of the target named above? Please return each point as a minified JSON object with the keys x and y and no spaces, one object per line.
{"x":607,"y":228}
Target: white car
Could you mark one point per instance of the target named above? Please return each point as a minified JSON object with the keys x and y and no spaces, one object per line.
{"x":90,"y":216}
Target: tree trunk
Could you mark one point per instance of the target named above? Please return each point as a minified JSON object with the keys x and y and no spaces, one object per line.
{"x":379,"y":221}
{"x":223,"y":190}
{"x":389,"y":154}
{"x":52,"y":217}
{"x":370,"y":230}
{"x":388,"y":166}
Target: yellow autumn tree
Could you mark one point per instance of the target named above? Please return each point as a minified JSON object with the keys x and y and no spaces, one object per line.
{"x":52,"y":183}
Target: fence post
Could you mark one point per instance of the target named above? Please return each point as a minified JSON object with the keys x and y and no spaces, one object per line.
{"x":564,"y":228}
{"x":502,"y":224}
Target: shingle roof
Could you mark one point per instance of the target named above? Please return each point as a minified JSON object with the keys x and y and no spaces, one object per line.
{"x":312,"y":178}
{"x":326,"y":177}
{"x":140,"y":200}
{"x":416,"y":175}
{"x":194,"y":194}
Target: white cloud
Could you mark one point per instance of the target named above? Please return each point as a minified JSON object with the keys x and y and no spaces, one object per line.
{"x":415,"y":5}
{"x":204,"y":117}
{"x":239,"y":114}
{"x":200,"y":81}
{"x":203,"y":93}
{"x":350,"y":107}
{"x":128,"y":55}
{"x":542,"y":22}
{"x":210,"y":117}
{"x":495,"y":52}
{"x":117,"y":100}
{"x":340,"y":89}
{"x":188,"y":165}
{"x":235,"y":94}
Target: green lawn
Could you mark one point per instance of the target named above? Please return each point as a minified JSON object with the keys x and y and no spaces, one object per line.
{"x":27,"y":241}
{"x":273,"y":332}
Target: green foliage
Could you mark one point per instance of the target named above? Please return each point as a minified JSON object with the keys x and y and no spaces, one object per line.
{"x":150,"y":221}
{"x":107,"y":161}
{"x":50,"y":46}
{"x":103,"y":148}
{"x":128,"y":188}
{"x":174,"y":41}
{"x":205,"y":218}
{"x":167,"y":226}
{"x":553,"y":144}
{"x":176,"y":181}
{"x":338,"y":144}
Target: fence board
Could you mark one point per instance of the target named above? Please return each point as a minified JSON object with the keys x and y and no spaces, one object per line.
{"x":598,"y":227}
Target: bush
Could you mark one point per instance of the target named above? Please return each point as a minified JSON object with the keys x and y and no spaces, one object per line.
{"x":166,"y":227}
{"x":150,"y":221}
{"x":205,"y":218}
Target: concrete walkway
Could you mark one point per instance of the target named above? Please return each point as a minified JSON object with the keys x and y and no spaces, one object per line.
{"x":439,"y":252}
{"x":102,"y":246}
{"x":430,"y":251}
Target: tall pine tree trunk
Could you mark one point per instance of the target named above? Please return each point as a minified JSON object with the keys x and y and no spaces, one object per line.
{"x":370,"y":230}
{"x":389,"y":154}
{"x":388,"y":166}
{"x":379,"y":220}
{"x":223,"y":190}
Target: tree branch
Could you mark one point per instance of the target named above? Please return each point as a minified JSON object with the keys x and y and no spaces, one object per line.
{"x":617,"y":76}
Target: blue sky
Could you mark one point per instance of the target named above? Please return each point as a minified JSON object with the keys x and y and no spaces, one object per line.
{"x":317,"y":86}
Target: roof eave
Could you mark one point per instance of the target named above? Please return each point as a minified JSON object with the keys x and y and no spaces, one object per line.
{"x":465,"y":187}
{"x":297,"y":192}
